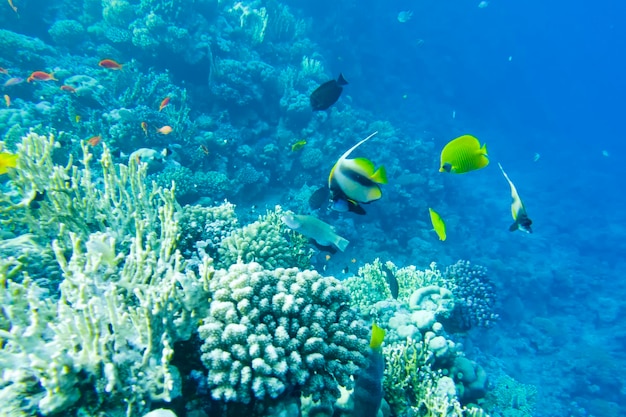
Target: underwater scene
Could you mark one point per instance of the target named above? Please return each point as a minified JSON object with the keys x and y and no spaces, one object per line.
{"x":312,"y":208}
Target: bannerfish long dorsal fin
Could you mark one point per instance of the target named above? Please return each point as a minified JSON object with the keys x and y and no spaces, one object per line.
{"x":517,"y":207}
{"x":346,"y":154}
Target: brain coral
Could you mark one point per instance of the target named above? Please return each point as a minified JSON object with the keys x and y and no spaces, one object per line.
{"x":270,"y":332}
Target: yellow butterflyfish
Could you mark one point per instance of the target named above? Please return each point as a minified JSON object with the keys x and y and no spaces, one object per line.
{"x":298,"y":145}
{"x":463,"y":154}
{"x":7,"y":160}
{"x":378,"y":334}
{"x":438,"y":224}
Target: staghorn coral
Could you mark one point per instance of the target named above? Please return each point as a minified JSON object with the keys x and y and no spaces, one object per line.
{"x":414,"y":388}
{"x":269,"y":332}
{"x":121,"y":308}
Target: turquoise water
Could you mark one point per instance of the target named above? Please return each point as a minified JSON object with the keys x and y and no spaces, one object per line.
{"x":541,"y":84}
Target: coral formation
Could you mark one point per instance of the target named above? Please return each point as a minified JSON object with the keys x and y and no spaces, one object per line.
{"x":271,"y":332}
{"x":475,"y":295}
{"x":267,"y":242}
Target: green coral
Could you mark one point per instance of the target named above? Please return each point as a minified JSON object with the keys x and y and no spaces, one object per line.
{"x":370,"y":285}
{"x":410,"y":279}
{"x":268,"y":242}
{"x":413,"y":388}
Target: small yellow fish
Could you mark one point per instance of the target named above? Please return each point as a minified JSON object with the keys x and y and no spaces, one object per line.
{"x":463,"y":154}
{"x":438,"y":224}
{"x":378,"y":335}
{"x":298,"y":145}
{"x":7,"y":100}
{"x":7,"y":160}
{"x":77,"y":118}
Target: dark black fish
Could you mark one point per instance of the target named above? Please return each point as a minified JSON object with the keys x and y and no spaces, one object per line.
{"x":390,"y":277}
{"x":319,"y":197}
{"x":39,"y":196}
{"x":327,"y":94}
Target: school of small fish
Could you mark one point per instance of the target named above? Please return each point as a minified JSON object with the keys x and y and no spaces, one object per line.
{"x":42,"y":76}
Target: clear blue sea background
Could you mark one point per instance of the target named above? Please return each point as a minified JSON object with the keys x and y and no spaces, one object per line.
{"x":542,"y":83}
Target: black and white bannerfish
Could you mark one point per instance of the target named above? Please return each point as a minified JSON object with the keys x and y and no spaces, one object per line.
{"x":327,"y":94}
{"x":355,"y":181}
{"x":518,"y":211}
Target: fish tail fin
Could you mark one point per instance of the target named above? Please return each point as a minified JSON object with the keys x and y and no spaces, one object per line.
{"x":341,"y":80}
{"x":483,"y":150}
{"x":341,"y":243}
{"x":513,"y":227}
{"x":378,"y":334}
{"x":380,"y":176}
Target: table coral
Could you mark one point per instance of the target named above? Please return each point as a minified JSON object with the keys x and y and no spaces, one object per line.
{"x":269,"y":332}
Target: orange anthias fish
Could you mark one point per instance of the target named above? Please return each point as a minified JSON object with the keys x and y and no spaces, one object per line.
{"x":94,"y":140}
{"x":144,"y":127}
{"x":7,"y":100}
{"x":41,"y":76}
{"x":68,"y":88}
{"x":164,"y":103}
{"x":110,"y":64}
{"x":165,"y":130}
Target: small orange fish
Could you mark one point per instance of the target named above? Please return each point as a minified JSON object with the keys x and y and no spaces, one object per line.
{"x":68,"y":88}
{"x":12,"y":6}
{"x":144,"y":127}
{"x":327,"y":257}
{"x":110,"y":64}
{"x":94,"y":140}
{"x":353,"y":260}
{"x":7,"y":100}
{"x":41,"y":76}
{"x":165,"y":130}
{"x":4,"y":71}
{"x":164,"y":103}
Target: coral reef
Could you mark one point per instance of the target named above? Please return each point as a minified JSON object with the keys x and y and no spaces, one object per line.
{"x":125,"y":299}
{"x":270,"y":332}
{"x":474,"y":293}
{"x":267,"y":242}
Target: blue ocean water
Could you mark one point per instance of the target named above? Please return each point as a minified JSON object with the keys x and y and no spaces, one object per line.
{"x":541,"y":83}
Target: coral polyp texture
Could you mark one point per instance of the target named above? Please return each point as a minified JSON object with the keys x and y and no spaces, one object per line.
{"x":269,"y":333}
{"x":474,"y":293}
